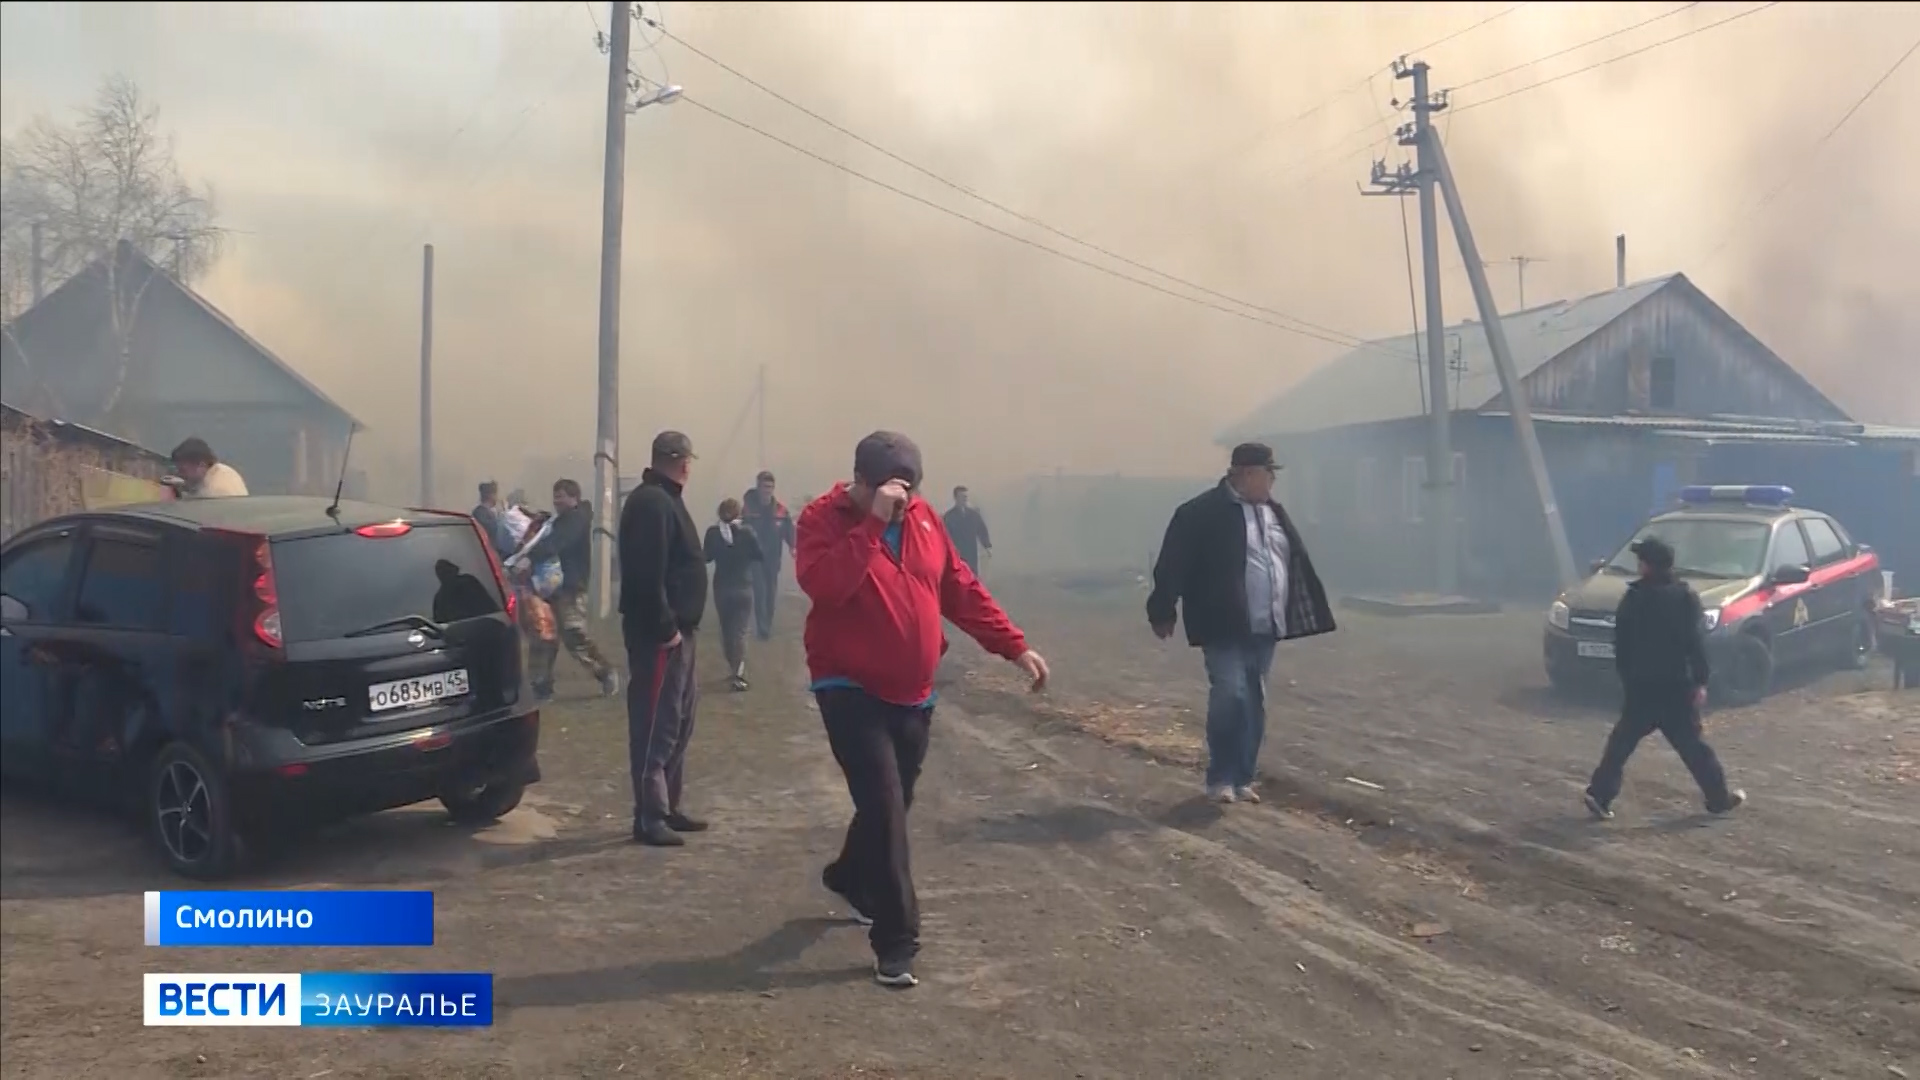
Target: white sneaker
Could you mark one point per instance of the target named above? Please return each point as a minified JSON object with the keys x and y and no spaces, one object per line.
{"x":1246,"y":794}
{"x":1220,"y":793}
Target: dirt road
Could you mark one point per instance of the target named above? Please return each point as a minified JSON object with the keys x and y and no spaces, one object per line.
{"x":1086,"y":916}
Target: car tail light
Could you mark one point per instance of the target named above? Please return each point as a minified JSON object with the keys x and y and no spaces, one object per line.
{"x":384,"y":530}
{"x":266,"y":620}
{"x":499,"y":573}
{"x":258,"y":613}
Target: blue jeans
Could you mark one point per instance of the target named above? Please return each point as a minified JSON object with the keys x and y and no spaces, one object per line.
{"x":1236,"y":708}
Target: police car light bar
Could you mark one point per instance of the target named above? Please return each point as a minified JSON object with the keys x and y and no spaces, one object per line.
{"x":1747,"y":494}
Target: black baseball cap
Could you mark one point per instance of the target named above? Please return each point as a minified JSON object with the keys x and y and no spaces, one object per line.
{"x":1654,"y":552}
{"x":887,"y":455}
{"x":1253,"y":455}
{"x":672,"y":446}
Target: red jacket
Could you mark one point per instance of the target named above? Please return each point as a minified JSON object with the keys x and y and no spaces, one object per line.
{"x":875,"y":619}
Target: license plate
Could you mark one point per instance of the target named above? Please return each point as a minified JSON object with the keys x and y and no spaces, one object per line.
{"x":415,"y":692}
{"x":1598,"y":650}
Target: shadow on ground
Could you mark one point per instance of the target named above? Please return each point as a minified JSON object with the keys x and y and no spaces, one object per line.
{"x":52,"y":848}
{"x":749,"y":969}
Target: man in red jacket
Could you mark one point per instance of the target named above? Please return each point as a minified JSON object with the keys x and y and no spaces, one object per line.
{"x":876,"y":561}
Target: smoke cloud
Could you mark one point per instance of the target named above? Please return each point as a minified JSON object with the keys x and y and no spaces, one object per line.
{"x":342,"y":137}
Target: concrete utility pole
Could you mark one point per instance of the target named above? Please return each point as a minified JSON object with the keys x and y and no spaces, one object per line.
{"x":760,"y":400}
{"x":606,"y":452}
{"x":426,"y":376}
{"x":1517,"y":403}
{"x":1442,"y":516}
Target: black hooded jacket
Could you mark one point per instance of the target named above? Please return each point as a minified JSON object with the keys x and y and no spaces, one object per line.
{"x":1659,"y":635}
{"x":571,"y":541}
{"x":663,"y":571}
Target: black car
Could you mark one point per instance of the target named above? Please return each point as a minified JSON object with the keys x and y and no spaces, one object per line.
{"x":1780,"y":586}
{"x":234,"y":667}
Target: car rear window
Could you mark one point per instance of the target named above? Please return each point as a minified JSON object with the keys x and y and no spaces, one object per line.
{"x":333,"y":586}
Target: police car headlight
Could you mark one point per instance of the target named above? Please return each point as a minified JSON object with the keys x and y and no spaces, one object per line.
{"x":1710,"y":620}
{"x":1557,"y":615}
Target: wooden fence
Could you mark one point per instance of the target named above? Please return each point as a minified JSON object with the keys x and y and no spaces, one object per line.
{"x":49,"y":467}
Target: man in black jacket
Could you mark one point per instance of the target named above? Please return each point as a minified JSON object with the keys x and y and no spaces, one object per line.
{"x":663,"y":593}
{"x":1234,"y":565}
{"x":570,"y":540}
{"x":1660,"y":652}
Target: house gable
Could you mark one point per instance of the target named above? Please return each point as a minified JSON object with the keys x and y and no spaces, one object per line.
{"x":64,"y":357}
{"x":1674,"y":353}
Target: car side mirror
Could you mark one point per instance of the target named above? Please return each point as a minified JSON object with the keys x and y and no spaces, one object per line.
{"x":1791,"y":575}
{"x":11,"y":609}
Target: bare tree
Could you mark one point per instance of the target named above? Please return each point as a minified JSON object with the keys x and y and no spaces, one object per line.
{"x":107,"y":180}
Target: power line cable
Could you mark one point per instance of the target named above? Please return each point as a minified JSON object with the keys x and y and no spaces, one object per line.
{"x":1302,"y":329}
{"x":1574,"y":48}
{"x":1736,"y":17}
{"x":1800,"y":162}
{"x":1323,"y":332}
{"x":1366,"y":82}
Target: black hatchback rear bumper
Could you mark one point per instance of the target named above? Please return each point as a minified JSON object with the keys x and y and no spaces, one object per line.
{"x":278,"y":779}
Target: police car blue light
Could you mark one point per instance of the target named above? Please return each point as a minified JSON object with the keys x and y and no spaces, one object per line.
{"x":1744,"y":494}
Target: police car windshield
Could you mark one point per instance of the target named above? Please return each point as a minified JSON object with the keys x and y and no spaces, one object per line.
{"x":1703,"y":547}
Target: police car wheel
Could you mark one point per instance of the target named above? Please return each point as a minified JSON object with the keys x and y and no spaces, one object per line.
{"x":190,"y":815}
{"x":1747,"y":674}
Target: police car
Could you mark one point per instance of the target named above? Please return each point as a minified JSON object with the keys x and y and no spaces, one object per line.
{"x":1781,"y":586}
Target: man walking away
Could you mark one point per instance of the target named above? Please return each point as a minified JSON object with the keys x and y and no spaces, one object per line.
{"x":735,"y":555}
{"x":969,"y":531}
{"x":1660,"y":653}
{"x":201,"y":475}
{"x":881,"y":572}
{"x":663,"y":593}
{"x":1233,"y":564}
{"x":570,"y":541}
{"x":767,"y":516}
{"x":487,"y":514}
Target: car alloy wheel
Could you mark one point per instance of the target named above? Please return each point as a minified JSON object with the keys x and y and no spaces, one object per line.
{"x":184,"y":806}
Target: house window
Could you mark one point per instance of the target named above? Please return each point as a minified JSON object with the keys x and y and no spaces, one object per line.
{"x":1366,"y":485}
{"x":1413,"y":489}
{"x":1660,"y":383}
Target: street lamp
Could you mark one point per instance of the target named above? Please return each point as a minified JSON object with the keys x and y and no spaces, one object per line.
{"x":660,"y":95}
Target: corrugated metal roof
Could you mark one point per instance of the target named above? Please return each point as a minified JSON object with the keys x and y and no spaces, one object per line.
{"x":1731,"y":425}
{"x":1381,"y":380}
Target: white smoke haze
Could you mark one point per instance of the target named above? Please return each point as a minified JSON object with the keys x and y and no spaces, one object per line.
{"x":341,"y":137}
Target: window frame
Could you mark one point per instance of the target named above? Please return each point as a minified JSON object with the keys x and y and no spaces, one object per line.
{"x":71,"y":534}
{"x":119,"y":532}
{"x":1814,"y":559}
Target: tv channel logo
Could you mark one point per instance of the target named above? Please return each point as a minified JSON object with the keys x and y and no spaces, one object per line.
{"x":231,"y":1000}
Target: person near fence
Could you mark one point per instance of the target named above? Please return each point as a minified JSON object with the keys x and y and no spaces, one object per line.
{"x":201,"y":475}
{"x":881,"y":572}
{"x":1234,"y":567}
{"x":734,"y":551}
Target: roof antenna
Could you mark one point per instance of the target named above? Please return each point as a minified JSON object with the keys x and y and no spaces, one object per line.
{"x":345,"y":456}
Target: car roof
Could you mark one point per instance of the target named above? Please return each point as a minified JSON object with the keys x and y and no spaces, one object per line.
{"x":273,"y":515}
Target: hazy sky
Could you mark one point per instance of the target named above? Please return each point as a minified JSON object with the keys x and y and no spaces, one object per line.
{"x":340,"y":137}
